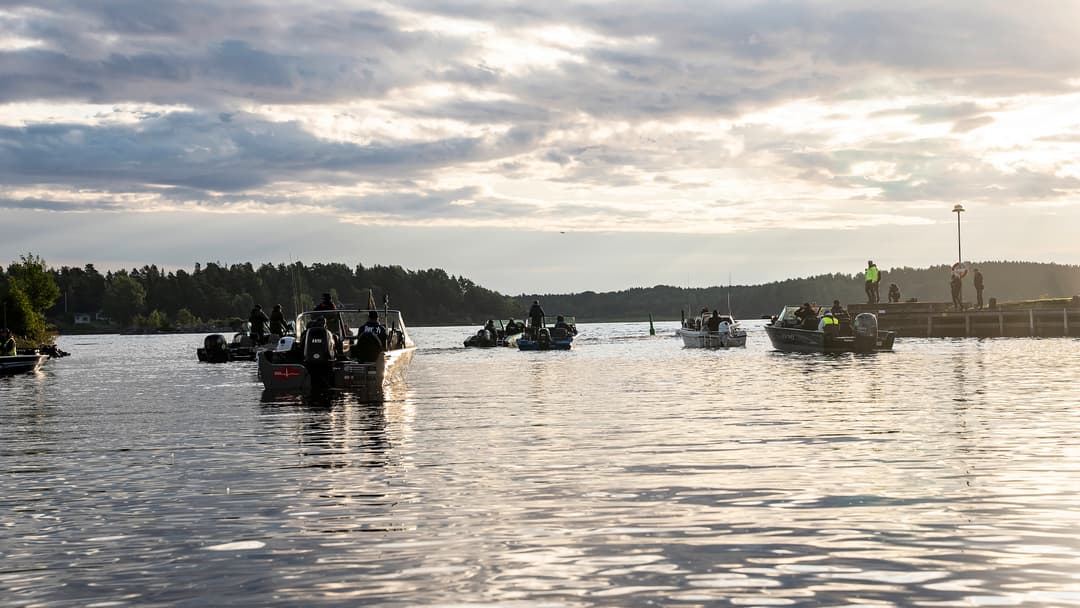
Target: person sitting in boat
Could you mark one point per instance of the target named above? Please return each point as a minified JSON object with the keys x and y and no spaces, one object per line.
{"x":725,"y":326}
{"x":714,"y":322}
{"x":326,"y":304}
{"x":560,"y":323}
{"x":837,"y":309}
{"x":828,"y":324}
{"x":373,"y":327}
{"x":807,"y":316}
{"x":513,"y":327}
{"x":258,"y":320}
{"x":8,"y":348}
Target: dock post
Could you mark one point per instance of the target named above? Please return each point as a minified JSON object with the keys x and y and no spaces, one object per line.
{"x":930,"y":325}
{"x":967,"y":324}
{"x":1001,"y":324}
{"x":1031,"y":320}
{"x":1065,"y":318}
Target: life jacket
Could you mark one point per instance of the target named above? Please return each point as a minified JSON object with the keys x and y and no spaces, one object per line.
{"x":8,"y":348}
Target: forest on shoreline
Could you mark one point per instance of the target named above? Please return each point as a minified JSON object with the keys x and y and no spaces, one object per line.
{"x":38,"y":299}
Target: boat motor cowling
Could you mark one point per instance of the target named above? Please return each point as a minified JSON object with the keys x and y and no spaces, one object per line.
{"x":866,"y":332}
{"x":318,"y":345}
{"x":215,"y":342}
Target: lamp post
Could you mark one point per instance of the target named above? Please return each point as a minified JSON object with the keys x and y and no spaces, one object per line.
{"x":958,"y":209}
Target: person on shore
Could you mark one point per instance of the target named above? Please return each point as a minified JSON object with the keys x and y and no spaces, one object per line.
{"x":954,"y":286}
{"x":978,"y":289}
{"x":277,"y":321}
{"x":326,"y":304}
{"x":873,"y":277}
{"x":258,"y":320}
{"x":894,"y":293}
{"x":8,"y":347}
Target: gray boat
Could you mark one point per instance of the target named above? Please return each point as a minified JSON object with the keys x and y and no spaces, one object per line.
{"x":787,"y":333}
{"x":27,"y":361}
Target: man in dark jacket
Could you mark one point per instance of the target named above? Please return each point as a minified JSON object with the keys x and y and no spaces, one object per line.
{"x":978,"y":288}
{"x":258,"y":320}
{"x":277,"y":321}
{"x":536,"y":315}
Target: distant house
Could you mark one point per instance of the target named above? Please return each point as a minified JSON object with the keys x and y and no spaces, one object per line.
{"x":82,"y":318}
{"x":101,"y":316}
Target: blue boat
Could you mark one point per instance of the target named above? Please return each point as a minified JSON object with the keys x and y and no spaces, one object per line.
{"x":559,"y":336}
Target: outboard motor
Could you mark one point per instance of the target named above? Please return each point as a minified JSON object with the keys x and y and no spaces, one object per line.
{"x":544,"y":338}
{"x":318,"y":346}
{"x":215,"y":349}
{"x":866,"y":332}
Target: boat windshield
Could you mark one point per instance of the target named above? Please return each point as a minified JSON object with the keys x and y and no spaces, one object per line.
{"x":348,"y":322}
{"x":551,"y":321}
{"x":788,"y":312}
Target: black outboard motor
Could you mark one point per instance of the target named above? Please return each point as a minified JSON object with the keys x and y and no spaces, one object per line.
{"x":866,"y":332}
{"x":544,"y":339}
{"x":319,"y":356}
{"x":215,"y":349}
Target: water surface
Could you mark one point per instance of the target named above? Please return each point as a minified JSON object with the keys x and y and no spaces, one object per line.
{"x":628,"y":472}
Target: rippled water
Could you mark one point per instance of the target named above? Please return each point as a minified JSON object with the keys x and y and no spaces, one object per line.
{"x":628,"y":472}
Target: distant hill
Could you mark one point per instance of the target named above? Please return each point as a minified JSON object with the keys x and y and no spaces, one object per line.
{"x":1004,"y":280}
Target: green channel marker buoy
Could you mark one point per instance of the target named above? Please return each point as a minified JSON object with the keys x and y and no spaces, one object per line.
{"x":652,"y":330}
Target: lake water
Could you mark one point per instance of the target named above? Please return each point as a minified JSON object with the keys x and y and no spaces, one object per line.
{"x":628,"y":472}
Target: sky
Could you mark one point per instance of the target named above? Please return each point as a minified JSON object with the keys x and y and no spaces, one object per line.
{"x":538,"y":148}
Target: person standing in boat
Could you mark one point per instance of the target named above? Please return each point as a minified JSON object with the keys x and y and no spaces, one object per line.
{"x":326,"y":304}
{"x":536,"y":315}
{"x":714,"y":322}
{"x":8,"y":347}
{"x":277,"y":321}
{"x":258,"y":320}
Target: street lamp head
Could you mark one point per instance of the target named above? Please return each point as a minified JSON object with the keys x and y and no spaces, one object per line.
{"x":958,"y":208}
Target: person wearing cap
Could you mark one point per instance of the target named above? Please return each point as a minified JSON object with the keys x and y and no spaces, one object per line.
{"x":8,"y":347}
{"x":373,"y":326}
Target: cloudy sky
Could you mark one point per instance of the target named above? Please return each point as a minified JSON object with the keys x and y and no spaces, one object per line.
{"x":541,"y":147}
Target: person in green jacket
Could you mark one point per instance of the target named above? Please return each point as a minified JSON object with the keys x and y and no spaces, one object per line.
{"x":873,"y":278}
{"x":8,"y":348}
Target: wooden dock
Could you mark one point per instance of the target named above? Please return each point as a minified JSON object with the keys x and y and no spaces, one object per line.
{"x":1041,"y":318}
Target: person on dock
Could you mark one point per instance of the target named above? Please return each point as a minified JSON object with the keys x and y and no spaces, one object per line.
{"x":277,"y":321}
{"x":258,"y":320}
{"x":978,"y":289}
{"x":894,"y":293}
{"x":873,"y":278}
{"x":8,"y":347}
{"x":954,"y":286}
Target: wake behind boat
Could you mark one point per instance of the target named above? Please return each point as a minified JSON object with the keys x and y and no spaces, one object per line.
{"x":797,"y":329}
{"x":356,"y":350}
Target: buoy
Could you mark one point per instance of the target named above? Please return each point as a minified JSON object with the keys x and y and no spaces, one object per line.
{"x":652,"y":330}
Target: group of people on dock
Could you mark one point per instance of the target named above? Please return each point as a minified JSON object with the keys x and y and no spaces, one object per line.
{"x":872,"y":280}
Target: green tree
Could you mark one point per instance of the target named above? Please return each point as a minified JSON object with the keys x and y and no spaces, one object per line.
{"x":124,"y":298}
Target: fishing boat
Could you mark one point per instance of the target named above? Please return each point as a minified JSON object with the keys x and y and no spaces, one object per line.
{"x":704,"y":338}
{"x":499,"y":332}
{"x":788,"y":333}
{"x":560,"y":336}
{"x":244,"y":346}
{"x":28,"y":360}
{"x":361,"y":351}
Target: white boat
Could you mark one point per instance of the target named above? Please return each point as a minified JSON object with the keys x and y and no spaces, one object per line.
{"x":27,"y":361}
{"x":703,"y":338}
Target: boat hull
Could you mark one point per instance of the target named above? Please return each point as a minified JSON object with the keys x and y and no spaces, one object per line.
{"x":21,"y":364}
{"x":367,"y":380}
{"x":791,"y":339}
{"x":555,"y":344}
{"x":711,"y":339}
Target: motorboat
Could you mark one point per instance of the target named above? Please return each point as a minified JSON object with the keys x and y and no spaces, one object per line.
{"x":789,"y":333}
{"x":506,"y":333}
{"x":27,"y":360}
{"x":244,"y":346}
{"x":361,"y":351}
{"x":560,"y":336}
{"x":703,"y":338}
